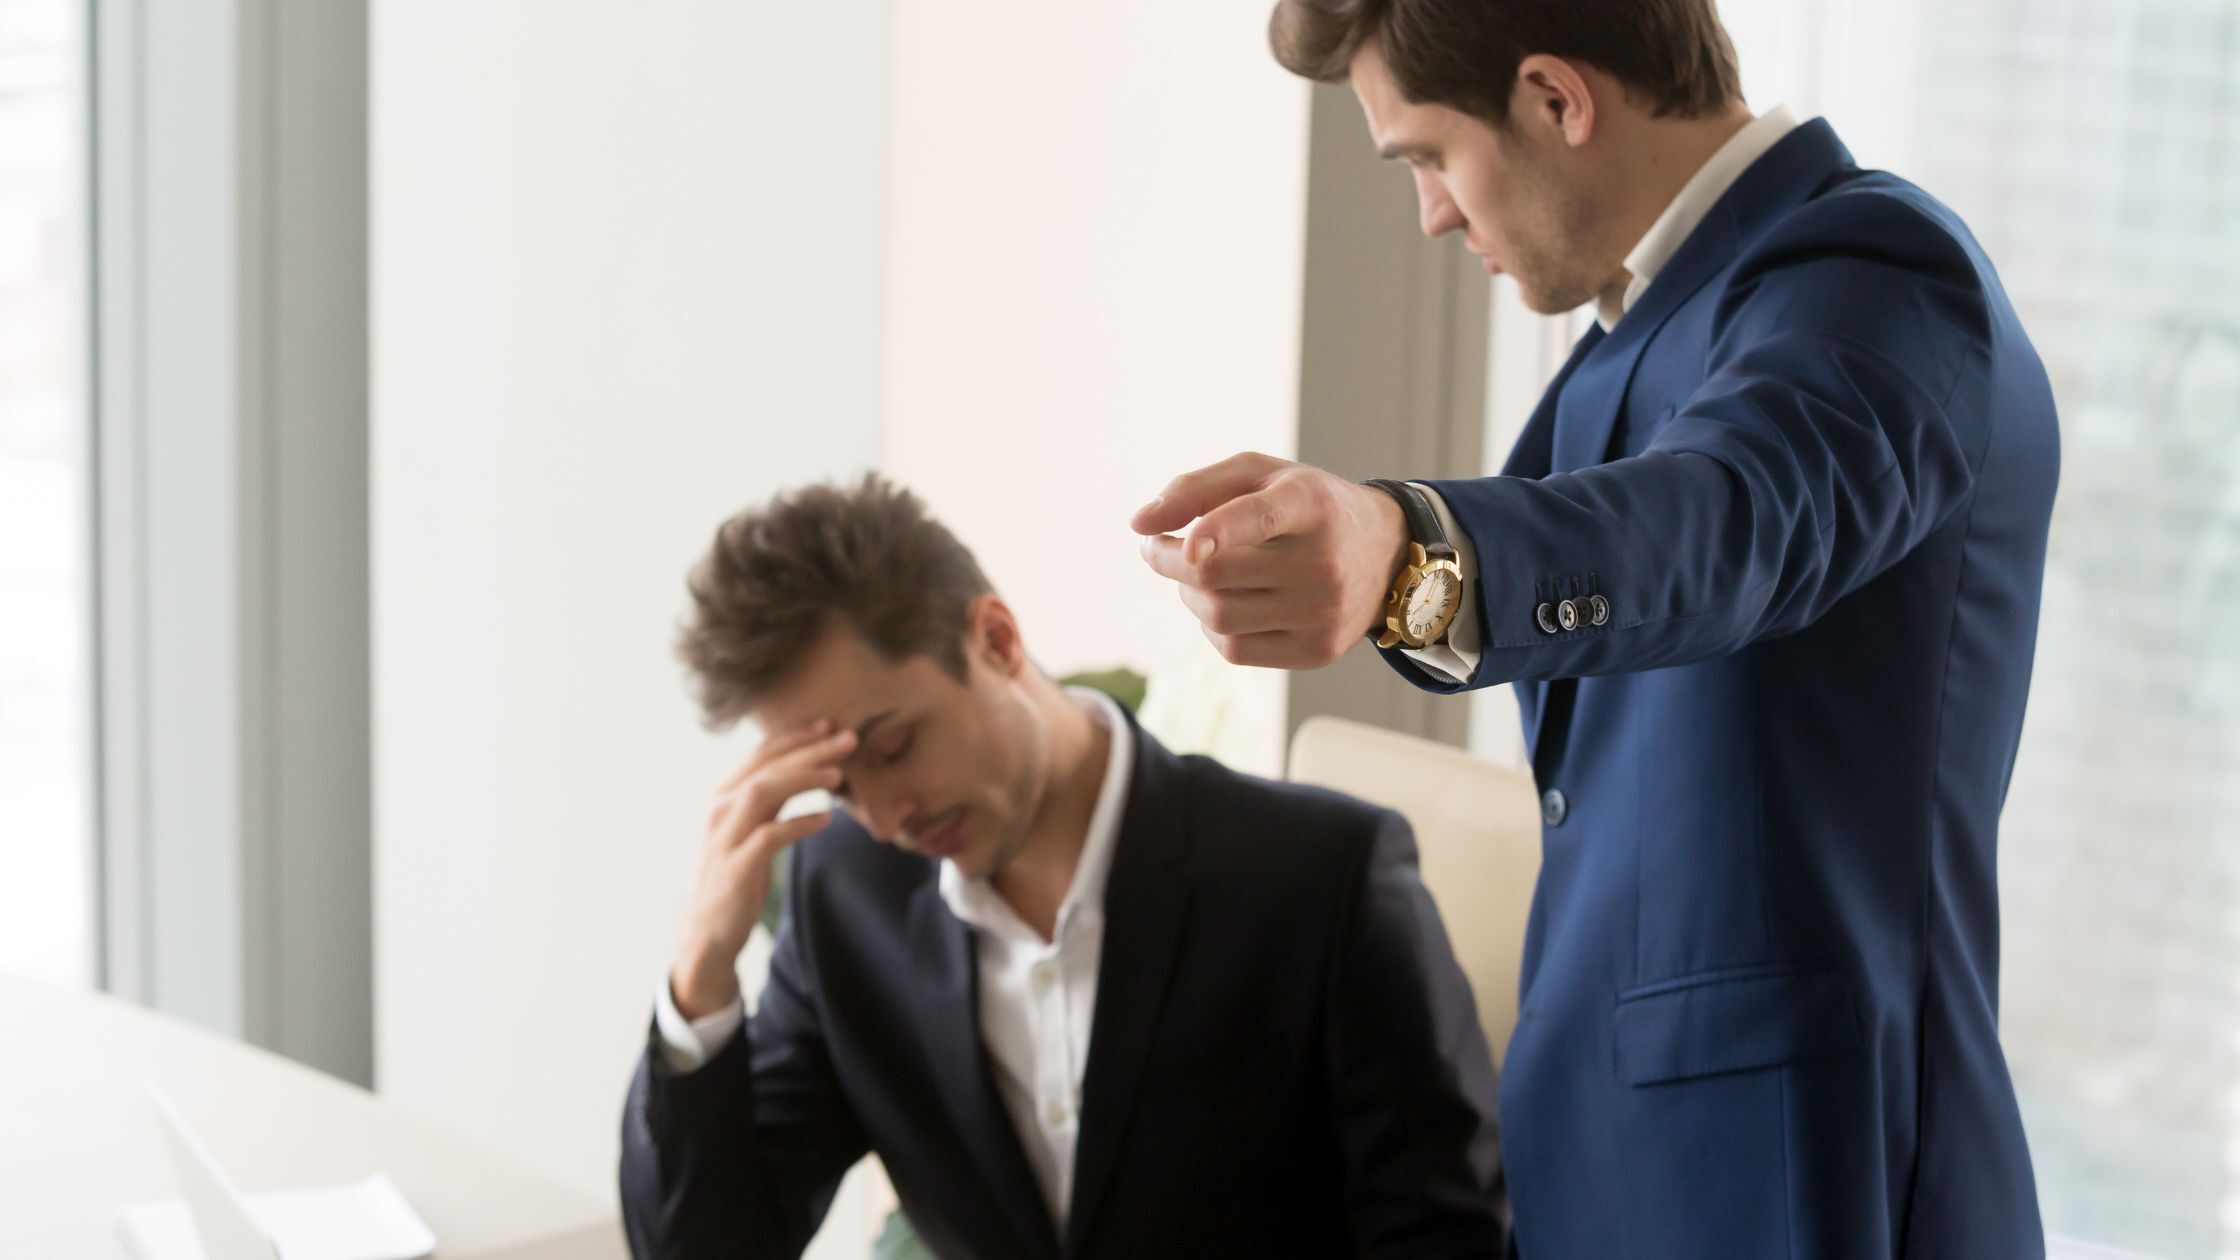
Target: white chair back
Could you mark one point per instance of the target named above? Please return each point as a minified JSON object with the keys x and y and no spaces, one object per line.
{"x":1477,"y":827}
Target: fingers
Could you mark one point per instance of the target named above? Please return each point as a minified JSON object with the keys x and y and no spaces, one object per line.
{"x":1193,"y":494}
{"x":769,"y":790}
{"x":830,"y":750}
{"x":1284,"y":506}
{"x":776,"y":746}
{"x":1279,"y":649}
{"x":803,"y":754}
{"x":810,"y":766}
{"x":1164,"y":554}
{"x":756,"y":806}
{"x":1239,"y":568}
{"x":729,"y":825}
{"x":1235,"y":613}
{"x":776,"y":837}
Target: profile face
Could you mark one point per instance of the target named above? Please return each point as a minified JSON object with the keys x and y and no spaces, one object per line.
{"x":1510,"y":194}
{"x":946,"y":768}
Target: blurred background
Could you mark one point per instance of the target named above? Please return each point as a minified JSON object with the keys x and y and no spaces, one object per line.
{"x":371,"y":372}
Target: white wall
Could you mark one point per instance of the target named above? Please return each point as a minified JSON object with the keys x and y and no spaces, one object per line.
{"x":1095,"y":241}
{"x":626,"y":274}
{"x":633,"y":268}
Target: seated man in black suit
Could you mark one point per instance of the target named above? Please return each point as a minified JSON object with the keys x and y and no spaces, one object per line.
{"x":1082,"y":996}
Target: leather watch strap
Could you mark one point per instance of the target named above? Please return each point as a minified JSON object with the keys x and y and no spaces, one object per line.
{"x":1423,"y":523}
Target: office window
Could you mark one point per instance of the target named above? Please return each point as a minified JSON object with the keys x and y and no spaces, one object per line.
{"x":2094,"y":147}
{"x":46,"y":692}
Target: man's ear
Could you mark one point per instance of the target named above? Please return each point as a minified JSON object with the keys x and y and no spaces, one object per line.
{"x":993,"y":637}
{"x":1552,"y":93}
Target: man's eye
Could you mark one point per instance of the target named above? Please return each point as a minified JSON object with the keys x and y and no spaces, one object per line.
{"x":901,"y":750}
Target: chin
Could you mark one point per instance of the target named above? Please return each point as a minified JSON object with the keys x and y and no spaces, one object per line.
{"x":986,"y":863}
{"x":1541,"y":302}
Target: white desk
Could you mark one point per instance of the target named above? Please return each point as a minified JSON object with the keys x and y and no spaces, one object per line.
{"x":78,"y":1138}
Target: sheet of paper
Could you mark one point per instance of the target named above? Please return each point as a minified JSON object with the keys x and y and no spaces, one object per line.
{"x":367,"y":1220}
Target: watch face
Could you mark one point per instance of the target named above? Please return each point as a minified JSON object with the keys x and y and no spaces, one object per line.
{"x":1431,"y":604}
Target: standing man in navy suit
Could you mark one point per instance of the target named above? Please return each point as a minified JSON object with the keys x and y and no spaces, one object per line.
{"x":1765,"y":568}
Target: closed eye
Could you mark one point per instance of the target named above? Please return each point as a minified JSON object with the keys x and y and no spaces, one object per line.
{"x":886,"y":759}
{"x":901,"y":750}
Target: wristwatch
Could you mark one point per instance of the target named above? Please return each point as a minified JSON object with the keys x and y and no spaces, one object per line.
{"x":1427,"y":591}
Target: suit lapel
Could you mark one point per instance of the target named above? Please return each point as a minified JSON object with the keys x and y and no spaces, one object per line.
{"x":1580,"y":410}
{"x":945,"y":997}
{"x":1146,"y":898}
{"x":1784,"y":177}
{"x":1586,"y":404}
{"x":1532,"y":457}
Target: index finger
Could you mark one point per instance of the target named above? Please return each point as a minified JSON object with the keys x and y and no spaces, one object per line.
{"x":830,"y":750}
{"x":1260,"y":517}
{"x":812,"y":765}
{"x":1193,"y":494}
{"x":776,"y":746}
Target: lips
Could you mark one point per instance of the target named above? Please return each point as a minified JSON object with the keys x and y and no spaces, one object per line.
{"x":945,"y":840}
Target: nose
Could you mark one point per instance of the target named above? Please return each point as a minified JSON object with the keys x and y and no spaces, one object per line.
{"x":884,"y":812}
{"x":1439,"y":213}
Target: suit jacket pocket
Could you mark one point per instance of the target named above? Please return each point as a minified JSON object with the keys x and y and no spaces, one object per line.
{"x":1732,"y":1020}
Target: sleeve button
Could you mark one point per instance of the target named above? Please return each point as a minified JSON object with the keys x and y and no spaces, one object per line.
{"x":1554,"y":807}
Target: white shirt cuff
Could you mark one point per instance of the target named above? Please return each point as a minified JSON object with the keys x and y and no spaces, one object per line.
{"x":688,"y":1044}
{"x":1456,"y":660}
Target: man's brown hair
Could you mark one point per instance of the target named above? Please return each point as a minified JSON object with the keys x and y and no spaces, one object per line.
{"x":1672,"y":55}
{"x":867,"y":557}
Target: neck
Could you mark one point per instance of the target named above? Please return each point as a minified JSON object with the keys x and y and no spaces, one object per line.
{"x":1661,"y":156}
{"x":1035,"y":881}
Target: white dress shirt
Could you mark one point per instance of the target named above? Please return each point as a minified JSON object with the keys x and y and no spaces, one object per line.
{"x":1457,"y":659}
{"x":1037,"y":997}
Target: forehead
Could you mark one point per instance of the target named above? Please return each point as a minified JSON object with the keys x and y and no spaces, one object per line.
{"x":1372,"y":81}
{"x":1396,"y":123}
{"x":842,"y":679}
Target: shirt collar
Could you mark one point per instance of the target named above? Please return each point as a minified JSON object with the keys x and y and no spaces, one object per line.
{"x":975,"y":901}
{"x":1695,"y":199}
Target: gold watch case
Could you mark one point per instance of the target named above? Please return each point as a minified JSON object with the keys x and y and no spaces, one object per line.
{"x":1423,"y":601}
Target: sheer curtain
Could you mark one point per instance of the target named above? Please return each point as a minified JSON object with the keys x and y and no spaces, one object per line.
{"x":46,"y":696}
{"x":2094,"y":147}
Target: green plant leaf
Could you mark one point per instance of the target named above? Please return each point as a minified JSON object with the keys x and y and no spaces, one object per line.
{"x":898,"y":1241}
{"x":1121,"y":683}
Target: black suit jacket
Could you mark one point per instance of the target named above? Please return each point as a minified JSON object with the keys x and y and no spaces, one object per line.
{"x":1285,"y":1059}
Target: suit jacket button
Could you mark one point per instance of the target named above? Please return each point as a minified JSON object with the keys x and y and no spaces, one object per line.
{"x":1546,"y":616}
{"x":1553,"y":807}
{"x":1568,"y":614}
{"x":1600,"y":607}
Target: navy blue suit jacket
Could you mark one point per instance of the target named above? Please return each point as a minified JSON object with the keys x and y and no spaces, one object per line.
{"x":1811,"y":472}
{"x":1285,"y":1060}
